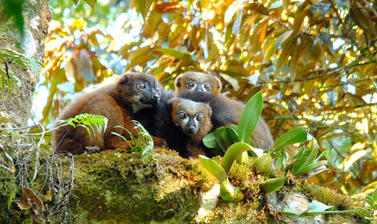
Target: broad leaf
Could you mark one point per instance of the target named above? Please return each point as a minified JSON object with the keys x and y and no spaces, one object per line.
{"x":250,"y":117}
{"x":296,"y":135}
{"x":210,"y":140}
{"x":272,"y":185}
{"x":263,"y":163}
{"x":214,"y":168}
{"x":316,"y":206}
{"x":232,"y":153}
{"x":222,"y":138}
{"x":229,"y":193}
{"x":184,"y":56}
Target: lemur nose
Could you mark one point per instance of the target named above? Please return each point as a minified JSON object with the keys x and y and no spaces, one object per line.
{"x":191,"y":130}
{"x":156,"y":97}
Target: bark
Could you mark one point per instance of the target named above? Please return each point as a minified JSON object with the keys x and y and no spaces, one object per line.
{"x":16,"y":105}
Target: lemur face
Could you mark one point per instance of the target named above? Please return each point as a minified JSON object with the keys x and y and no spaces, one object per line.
{"x":141,"y":90}
{"x":198,"y":82}
{"x":193,"y":85}
{"x":194,"y":118}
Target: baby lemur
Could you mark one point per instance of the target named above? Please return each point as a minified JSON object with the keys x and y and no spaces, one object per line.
{"x":120,"y":102}
{"x":190,"y":121}
{"x":202,"y":82}
{"x":182,"y":122}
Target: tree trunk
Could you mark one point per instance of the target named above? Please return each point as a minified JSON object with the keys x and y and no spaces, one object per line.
{"x":16,"y":105}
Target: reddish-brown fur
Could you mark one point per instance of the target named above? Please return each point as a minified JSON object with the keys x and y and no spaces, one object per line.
{"x":110,"y":101}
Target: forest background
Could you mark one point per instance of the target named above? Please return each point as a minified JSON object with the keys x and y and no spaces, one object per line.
{"x":314,"y":62}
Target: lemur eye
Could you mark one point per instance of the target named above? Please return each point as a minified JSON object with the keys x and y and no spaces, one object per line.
{"x":200,"y":117}
{"x":190,"y":85}
{"x":158,"y":90}
{"x":181,"y":115}
{"x":208,"y":87}
{"x":141,"y":85}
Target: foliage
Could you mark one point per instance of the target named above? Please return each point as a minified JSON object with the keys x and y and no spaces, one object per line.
{"x":315,"y":208}
{"x":32,"y":183}
{"x":228,"y":192}
{"x":371,"y":206}
{"x":306,"y":159}
{"x":12,"y":11}
{"x":223,"y":137}
{"x":92,"y":123}
{"x":143,"y":142}
{"x":315,"y":61}
{"x":8,"y":79}
{"x":303,"y":162}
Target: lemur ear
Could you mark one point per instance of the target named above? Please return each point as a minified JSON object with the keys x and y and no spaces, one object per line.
{"x":177,"y":82}
{"x":219,"y":85}
{"x":172,"y":100}
{"x":125,"y":77}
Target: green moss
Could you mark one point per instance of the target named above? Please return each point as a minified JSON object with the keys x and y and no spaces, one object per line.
{"x":8,"y":191}
{"x":249,"y":211}
{"x":116,"y":186}
{"x":339,"y":201}
{"x":328,"y":196}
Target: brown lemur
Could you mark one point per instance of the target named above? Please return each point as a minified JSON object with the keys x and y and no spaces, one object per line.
{"x":206,"y":83}
{"x":190,"y":121}
{"x":182,"y":123}
{"x":128,"y":97}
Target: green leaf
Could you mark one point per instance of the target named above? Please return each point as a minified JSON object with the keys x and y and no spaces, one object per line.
{"x":250,"y":117}
{"x":291,"y":212}
{"x":232,"y":153}
{"x":326,"y":212}
{"x":214,"y":168}
{"x":272,"y":185}
{"x":305,"y":161}
{"x":222,"y":138}
{"x":232,"y":131}
{"x":296,"y":135}
{"x":91,"y":123}
{"x":263,"y":163}
{"x":316,"y":206}
{"x":210,"y":140}
{"x":374,"y":195}
{"x":146,"y":143}
{"x":184,"y":56}
{"x":229,"y":193}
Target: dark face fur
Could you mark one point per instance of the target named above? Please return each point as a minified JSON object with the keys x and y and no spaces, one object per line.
{"x":198,"y":82}
{"x":138,"y":90}
{"x":192,"y":117}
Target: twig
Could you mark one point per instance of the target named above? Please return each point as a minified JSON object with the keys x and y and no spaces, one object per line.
{"x":324,"y":72}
